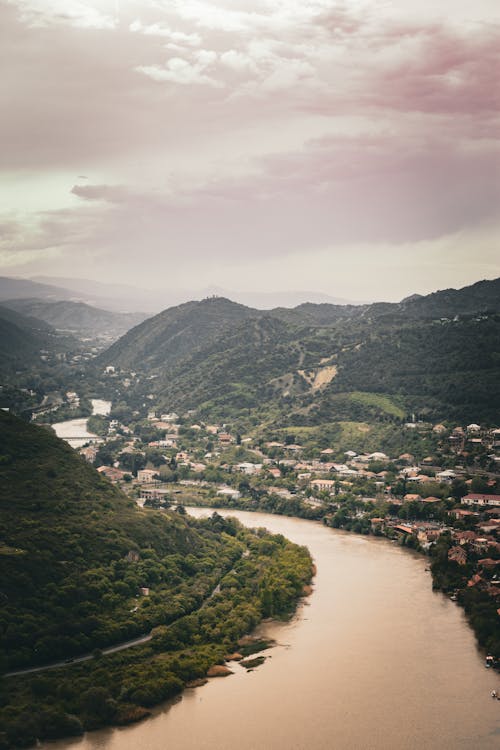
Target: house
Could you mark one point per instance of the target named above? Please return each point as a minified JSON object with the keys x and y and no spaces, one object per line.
{"x":401,"y":529}
{"x":323,"y":485}
{"x":464,"y":537}
{"x":439,"y":429}
{"x":460,"y":514}
{"x":89,"y":453}
{"x":476,"y":498}
{"x":153,"y":493}
{"x":229,"y":492}
{"x":488,"y":563}
{"x":448,"y":475}
{"x":458,"y":555}
{"x":111,"y":473}
{"x":249,"y":468}
{"x":488,"y":528}
{"x":474,"y":580}
{"x":147,"y":475}
{"x":406,"y":457}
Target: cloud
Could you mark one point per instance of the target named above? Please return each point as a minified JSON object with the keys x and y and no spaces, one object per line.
{"x":184,"y":72}
{"x":156,"y":29}
{"x":337,"y":191}
{"x":107,"y":193}
{"x":246,"y":129}
{"x":84,"y":15}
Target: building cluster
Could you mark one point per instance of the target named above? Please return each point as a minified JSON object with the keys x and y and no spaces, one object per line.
{"x":454,"y":491}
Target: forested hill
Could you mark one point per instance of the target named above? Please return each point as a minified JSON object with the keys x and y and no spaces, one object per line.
{"x":437,"y":355}
{"x":75,"y":551}
{"x":176,"y":332}
{"x":83,"y":568}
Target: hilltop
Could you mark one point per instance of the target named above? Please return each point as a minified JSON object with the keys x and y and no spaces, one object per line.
{"x":176,"y":333}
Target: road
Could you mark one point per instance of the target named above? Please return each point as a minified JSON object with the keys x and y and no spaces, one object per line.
{"x":68,"y":662}
{"x":110,"y":649}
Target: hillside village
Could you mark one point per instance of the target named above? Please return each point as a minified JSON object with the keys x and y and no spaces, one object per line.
{"x":446,"y":503}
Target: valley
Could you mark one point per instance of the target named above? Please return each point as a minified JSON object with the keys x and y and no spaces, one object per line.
{"x":380,"y":420}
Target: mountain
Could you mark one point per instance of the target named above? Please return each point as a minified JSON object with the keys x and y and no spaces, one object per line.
{"x":16,"y":341}
{"x":270,"y":300}
{"x":13,"y":288}
{"x":437,"y":355}
{"x":77,"y":317}
{"x":176,"y":333}
{"x":112,"y":297}
{"x":484,"y":296}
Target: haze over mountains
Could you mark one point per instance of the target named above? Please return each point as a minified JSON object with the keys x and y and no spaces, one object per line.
{"x":127,"y":298}
{"x":77,"y":317}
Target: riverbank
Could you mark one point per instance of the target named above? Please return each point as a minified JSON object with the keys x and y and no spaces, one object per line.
{"x":375,"y":659}
{"x":265,"y":579}
{"x":455,"y":580}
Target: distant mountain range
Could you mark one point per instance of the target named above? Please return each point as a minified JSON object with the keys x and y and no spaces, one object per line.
{"x":128,"y":298}
{"x":77,"y":317}
{"x":438,"y":355}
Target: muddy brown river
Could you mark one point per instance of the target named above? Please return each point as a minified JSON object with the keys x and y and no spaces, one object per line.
{"x":375,"y":660}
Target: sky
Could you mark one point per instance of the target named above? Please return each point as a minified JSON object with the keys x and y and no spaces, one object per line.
{"x":349,"y":148}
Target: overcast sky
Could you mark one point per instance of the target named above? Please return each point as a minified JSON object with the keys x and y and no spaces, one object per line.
{"x":343,"y":147}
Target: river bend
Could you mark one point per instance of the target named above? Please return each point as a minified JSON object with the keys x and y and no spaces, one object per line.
{"x":374,"y":660}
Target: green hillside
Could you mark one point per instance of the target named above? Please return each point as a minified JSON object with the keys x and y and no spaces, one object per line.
{"x":64,"y":539}
{"x":438,"y":356}
{"x":176,"y":333}
{"x":22,"y":337}
{"x":83,"y":568}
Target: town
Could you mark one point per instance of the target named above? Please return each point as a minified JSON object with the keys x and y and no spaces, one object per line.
{"x":445,"y":504}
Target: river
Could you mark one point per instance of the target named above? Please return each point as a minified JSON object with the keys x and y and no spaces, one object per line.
{"x":75,"y":432}
{"x":374,"y":660}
